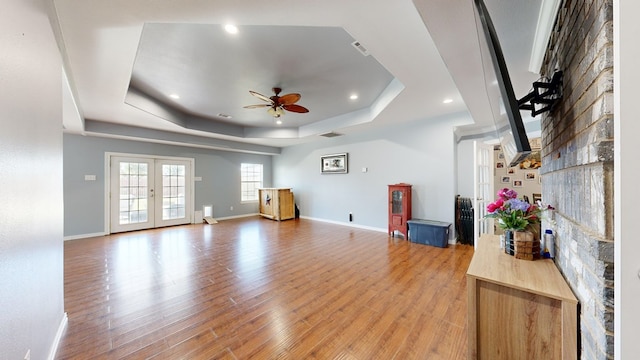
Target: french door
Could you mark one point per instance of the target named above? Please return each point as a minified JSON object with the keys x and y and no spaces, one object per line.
{"x":148,"y":192}
{"x":483,"y":178}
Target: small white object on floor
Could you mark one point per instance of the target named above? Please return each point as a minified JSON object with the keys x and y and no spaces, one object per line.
{"x":209,"y":220}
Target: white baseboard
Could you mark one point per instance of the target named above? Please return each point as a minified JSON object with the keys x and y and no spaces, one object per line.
{"x":451,"y":241}
{"x":236,"y":216}
{"x":83,"y":236}
{"x":345,"y":224}
{"x":56,"y":340}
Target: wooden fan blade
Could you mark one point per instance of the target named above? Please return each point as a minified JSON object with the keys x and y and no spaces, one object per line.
{"x":260,"y":96}
{"x":256,"y":106}
{"x":289,"y":99}
{"x":295,"y":108}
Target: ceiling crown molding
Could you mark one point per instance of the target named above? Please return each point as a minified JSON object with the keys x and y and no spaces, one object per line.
{"x":546,"y":20}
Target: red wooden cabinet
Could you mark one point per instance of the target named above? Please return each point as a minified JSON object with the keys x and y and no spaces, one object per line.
{"x":399,"y":208}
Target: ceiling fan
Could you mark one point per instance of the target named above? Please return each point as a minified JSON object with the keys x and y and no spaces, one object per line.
{"x":278,"y":104}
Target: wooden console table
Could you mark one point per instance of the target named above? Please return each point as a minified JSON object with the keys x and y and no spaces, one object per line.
{"x":518,"y":309}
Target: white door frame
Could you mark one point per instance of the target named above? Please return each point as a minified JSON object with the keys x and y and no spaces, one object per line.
{"x":481,"y":198}
{"x":107,"y":171}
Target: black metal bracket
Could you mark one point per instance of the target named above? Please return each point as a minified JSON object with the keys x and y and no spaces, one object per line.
{"x":538,"y":102}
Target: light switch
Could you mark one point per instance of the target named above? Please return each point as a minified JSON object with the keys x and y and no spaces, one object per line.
{"x":197,"y":178}
{"x":89,"y":178}
{"x":364,"y":169}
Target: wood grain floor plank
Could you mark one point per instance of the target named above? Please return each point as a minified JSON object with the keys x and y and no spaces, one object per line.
{"x":253,"y":288}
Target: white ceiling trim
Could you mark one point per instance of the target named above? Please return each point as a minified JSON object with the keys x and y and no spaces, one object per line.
{"x":546,"y":20}
{"x":72,"y":121}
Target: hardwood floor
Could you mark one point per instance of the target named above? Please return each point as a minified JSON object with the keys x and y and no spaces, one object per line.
{"x":259,"y":289}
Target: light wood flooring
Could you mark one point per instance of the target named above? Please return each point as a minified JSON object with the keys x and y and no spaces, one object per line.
{"x":254,"y":288}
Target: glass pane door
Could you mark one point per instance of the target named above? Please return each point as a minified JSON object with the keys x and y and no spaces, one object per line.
{"x":396,"y":202}
{"x":146,"y":193}
{"x":175,"y":183}
{"x":484,"y":189}
{"x":132,"y":194}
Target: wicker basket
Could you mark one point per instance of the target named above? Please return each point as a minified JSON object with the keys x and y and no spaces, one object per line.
{"x":527,"y":246}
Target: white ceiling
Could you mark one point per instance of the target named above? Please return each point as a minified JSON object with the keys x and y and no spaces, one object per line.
{"x":213,"y":71}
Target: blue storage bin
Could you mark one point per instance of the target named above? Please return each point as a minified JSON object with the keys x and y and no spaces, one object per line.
{"x":429,"y":232}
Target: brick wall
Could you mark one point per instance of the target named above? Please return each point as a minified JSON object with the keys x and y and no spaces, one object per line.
{"x":577,"y":171}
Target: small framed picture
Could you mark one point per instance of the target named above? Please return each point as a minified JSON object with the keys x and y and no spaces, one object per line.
{"x":517,"y":183}
{"x":505,"y":179}
{"x":499,"y":165}
{"x":500,"y":156}
{"x":334,"y":164}
{"x":530,"y":176}
{"x":511,"y":171}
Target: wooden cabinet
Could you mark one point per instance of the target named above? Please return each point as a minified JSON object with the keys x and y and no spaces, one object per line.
{"x":518,"y":309}
{"x":276,"y":204}
{"x":399,"y":208}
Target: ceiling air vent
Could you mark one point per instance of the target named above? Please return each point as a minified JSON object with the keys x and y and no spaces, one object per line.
{"x":330,"y":134}
{"x":356,"y":44}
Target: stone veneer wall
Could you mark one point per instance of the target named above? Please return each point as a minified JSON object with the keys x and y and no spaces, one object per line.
{"x":577,"y":165}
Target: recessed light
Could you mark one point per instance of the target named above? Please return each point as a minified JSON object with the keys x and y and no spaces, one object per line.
{"x":447,"y":101}
{"x":231,"y":29}
{"x":279,"y":122}
{"x":353,"y":97}
{"x":174,"y":96}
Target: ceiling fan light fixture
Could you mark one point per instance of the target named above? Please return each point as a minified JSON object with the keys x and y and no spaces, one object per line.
{"x":275,"y":111}
{"x":277,"y":105}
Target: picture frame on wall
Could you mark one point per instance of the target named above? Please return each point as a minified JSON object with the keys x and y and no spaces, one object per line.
{"x":517,"y":183}
{"x":334,"y":164}
{"x":499,"y":165}
{"x":505,"y":179}
{"x":530,"y":176}
{"x":511,"y":171}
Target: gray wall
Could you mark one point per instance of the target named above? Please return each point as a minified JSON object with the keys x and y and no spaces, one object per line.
{"x":85,"y":155}
{"x":578,"y":171}
{"x":420,"y":153}
{"x":31,"y":252}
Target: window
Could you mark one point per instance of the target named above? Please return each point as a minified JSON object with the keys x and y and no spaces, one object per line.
{"x":250,"y":181}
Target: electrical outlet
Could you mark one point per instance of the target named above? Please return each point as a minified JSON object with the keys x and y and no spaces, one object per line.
{"x":231,"y":208}
{"x":27,"y":356}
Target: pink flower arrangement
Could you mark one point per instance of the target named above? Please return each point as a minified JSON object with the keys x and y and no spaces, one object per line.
{"x":513,"y":213}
